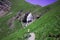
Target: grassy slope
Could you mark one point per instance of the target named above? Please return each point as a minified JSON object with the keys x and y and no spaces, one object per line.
{"x":16,"y":6}
{"x":49,"y":23}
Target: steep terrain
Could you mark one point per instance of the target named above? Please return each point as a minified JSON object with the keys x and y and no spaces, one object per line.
{"x":15,"y":8}
{"x":47,"y":27}
{"x":43,"y":27}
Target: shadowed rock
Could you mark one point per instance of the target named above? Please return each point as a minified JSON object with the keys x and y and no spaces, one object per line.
{"x":25,"y":17}
{"x":56,"y":36}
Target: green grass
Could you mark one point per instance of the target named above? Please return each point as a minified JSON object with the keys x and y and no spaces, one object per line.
{"x":48,"y":23}
{"x":17,"y":5}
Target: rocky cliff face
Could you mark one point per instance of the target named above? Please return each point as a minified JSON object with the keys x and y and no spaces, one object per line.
{"x":4,"y":7}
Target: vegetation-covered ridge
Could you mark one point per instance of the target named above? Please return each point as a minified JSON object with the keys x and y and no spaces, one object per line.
{"x":44,"y":27}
